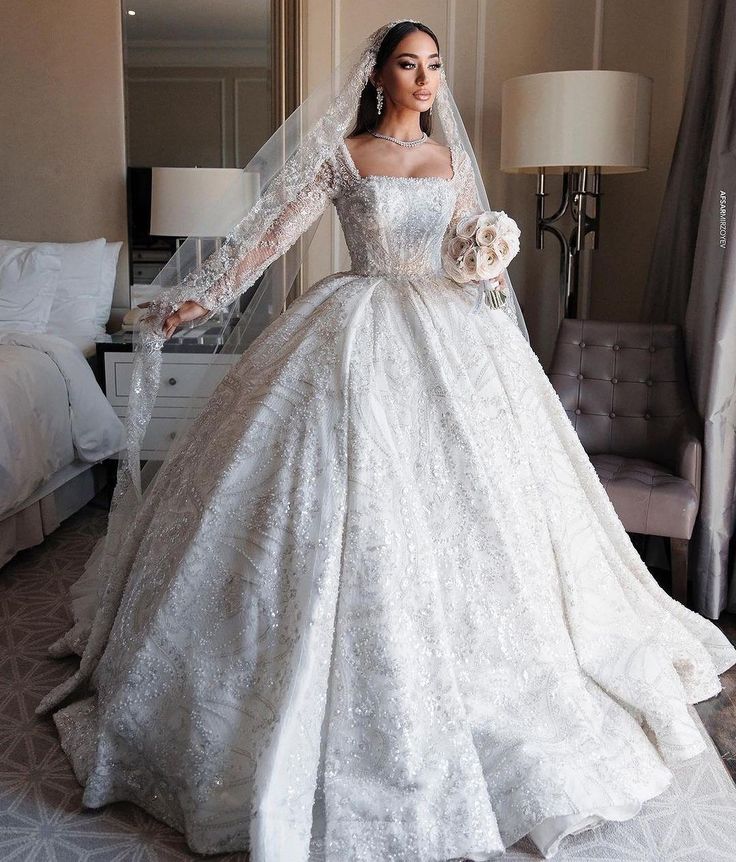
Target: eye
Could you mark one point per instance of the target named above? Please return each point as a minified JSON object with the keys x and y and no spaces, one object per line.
{"x":407,"y":64}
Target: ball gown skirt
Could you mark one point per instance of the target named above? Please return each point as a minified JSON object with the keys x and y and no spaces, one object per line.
{"x":379,"y":606}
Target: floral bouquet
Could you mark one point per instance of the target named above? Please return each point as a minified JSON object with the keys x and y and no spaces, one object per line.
{"x":482,"y":247}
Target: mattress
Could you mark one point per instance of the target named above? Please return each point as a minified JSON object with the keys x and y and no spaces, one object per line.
{"x":52,"y":411}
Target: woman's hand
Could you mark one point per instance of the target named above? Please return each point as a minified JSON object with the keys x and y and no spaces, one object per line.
{"x":189,"y":310}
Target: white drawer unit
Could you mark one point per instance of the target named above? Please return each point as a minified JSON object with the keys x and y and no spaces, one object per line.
{"x":182,"y":374}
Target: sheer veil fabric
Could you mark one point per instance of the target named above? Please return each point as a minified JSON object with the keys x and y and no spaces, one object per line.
{"x":377,"y":605}
{"x":287,"y":165}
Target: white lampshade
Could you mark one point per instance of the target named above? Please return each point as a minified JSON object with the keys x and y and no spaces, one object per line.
{"x":587,"y":118}
{"x":203,"y":202}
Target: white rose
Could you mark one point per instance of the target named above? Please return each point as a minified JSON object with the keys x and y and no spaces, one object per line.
{"x":466,"y":227}
{"x":506,"y":247}
{"x":489,"y":264}
{"x":506,"y":225}
{"x":502,"y":247}
{"x":458,"y":246}
{"x":453,"y":263}
{"x":470,"y":260}
{"x":513,"y":241}
{"x":485,"y":234}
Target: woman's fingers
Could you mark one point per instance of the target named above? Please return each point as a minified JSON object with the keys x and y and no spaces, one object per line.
{"x":188,"y":311}
{"x":171,"y":323}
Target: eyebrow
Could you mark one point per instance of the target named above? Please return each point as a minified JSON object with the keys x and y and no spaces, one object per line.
{"x":416,"y":56}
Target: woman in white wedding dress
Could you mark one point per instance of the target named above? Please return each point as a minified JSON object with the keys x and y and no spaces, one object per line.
{"x":379,"y":606}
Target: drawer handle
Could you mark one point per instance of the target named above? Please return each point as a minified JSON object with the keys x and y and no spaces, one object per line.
{"x":172,"y":381}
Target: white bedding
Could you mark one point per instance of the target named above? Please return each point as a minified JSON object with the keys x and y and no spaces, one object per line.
{"x":51,"y":412}
{"x":84,"y":343}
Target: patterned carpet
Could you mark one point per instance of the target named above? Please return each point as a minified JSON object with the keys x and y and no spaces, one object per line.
{"x":40,"y":801}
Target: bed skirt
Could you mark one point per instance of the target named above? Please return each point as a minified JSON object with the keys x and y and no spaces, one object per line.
{"x":60,"y":496}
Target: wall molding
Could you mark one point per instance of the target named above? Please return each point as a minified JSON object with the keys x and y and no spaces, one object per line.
{"x":156,"y":79}
{"x":450,"y":18}
{"x":236,"y":84}
{"x":335,"y":17}
{"x":480,"y":75}
{"x":231,"y":52}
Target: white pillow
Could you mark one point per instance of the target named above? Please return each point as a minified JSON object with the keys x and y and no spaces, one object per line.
{"x":74,"y":309}
{"x":107,"y":284}
{"x":73,"y":315}
{"x":28,"y":282}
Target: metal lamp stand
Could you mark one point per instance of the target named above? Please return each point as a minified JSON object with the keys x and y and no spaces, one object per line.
{"x":573,"y":197}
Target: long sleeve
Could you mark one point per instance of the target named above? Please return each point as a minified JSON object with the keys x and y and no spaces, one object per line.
{"x":468,"y":203}
{"x":467,"y":199}
{"x":251,"y":248}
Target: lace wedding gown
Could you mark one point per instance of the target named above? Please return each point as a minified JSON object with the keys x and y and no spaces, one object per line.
{"x":379,"y":607}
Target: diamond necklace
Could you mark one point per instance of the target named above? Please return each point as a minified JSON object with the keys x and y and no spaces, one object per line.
{"x":415,"y":143}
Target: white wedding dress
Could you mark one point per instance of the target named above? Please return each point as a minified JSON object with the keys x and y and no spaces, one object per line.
{"x":379,"y":606}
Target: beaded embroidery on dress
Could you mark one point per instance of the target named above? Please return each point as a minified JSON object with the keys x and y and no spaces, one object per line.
{"x":380,"y":607}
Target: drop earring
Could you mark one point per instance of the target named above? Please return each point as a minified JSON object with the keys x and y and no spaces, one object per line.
{"x":379,"y":98}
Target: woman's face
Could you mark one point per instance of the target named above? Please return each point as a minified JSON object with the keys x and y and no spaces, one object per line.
{"x":411,"y":75}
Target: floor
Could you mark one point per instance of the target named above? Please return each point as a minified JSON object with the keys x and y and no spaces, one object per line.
{"x":38,"y":793}
{"x":719,"y":713}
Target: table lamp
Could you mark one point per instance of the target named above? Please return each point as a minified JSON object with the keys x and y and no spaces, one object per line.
{"x":575,"y":123}
{"x":200,"y":202}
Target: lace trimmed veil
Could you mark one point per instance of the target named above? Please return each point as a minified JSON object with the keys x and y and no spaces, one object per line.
{"x":285,"y":165}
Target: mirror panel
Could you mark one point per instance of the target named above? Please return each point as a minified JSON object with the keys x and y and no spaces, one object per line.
{"x":203,"y":86}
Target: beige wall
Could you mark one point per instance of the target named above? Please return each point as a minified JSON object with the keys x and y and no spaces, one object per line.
{"x":522,"y":38}
{"x":231,"y":120}
{"x":484,"y":43}
{"x":653,"y":38}
{"x":63,"y":150}
{"x":62,"y":135}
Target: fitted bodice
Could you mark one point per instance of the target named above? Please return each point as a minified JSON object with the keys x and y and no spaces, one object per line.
{"x":395,"y":225}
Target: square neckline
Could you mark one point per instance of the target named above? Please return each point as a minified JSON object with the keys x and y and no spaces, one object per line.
{"x":358,"y":176}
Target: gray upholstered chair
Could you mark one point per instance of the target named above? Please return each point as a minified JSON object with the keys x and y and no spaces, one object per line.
{"x":625,"y":388}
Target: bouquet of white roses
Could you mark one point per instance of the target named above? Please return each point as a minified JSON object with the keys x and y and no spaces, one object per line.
{"x":481,"y":248}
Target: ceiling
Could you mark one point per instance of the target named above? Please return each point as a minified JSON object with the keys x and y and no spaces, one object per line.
{"x":193,"y":20}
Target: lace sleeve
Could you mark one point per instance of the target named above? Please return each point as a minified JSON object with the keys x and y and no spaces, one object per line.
{"x":467,"y":197}
{"x":246,"y":254}
{"x":467,"y":203}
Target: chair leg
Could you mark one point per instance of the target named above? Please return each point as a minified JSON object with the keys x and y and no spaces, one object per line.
{"x":678,"y":563}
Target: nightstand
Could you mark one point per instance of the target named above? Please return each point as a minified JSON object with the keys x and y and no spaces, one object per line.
{"x":185,"y":357}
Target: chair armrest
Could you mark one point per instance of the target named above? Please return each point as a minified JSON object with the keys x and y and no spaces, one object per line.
{"x":689,"y":450}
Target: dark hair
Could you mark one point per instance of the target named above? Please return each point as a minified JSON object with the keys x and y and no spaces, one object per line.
{"x":367,"y":117}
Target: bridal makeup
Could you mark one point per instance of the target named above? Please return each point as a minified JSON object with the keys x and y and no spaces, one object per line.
{"x":411,"y":75}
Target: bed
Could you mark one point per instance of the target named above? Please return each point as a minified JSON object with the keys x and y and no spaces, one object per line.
{"x":56,"y":426}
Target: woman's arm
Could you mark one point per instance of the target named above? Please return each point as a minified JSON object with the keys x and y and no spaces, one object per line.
{"x":467,"y":202}
{"x":232,"y":269}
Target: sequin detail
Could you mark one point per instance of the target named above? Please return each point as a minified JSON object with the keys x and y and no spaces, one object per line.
{"x":379,"y":605}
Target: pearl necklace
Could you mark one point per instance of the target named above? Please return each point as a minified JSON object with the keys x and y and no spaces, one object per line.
{"x":415,"y":143}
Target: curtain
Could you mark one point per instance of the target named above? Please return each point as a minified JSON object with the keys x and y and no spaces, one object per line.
{"x":692,"y":281}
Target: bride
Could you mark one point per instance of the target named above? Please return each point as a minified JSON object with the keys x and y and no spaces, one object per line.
{"x":378,"y":605}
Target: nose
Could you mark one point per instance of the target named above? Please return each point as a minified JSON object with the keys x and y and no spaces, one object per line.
{"x":421,"y":75}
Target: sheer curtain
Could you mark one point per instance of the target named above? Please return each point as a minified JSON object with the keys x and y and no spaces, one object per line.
{"x":692,"y":281}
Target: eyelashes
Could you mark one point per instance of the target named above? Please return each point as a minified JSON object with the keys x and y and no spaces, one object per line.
{"x":409,"y":65}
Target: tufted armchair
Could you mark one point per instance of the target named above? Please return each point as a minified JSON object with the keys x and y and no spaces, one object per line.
{"x":625,"y":388}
